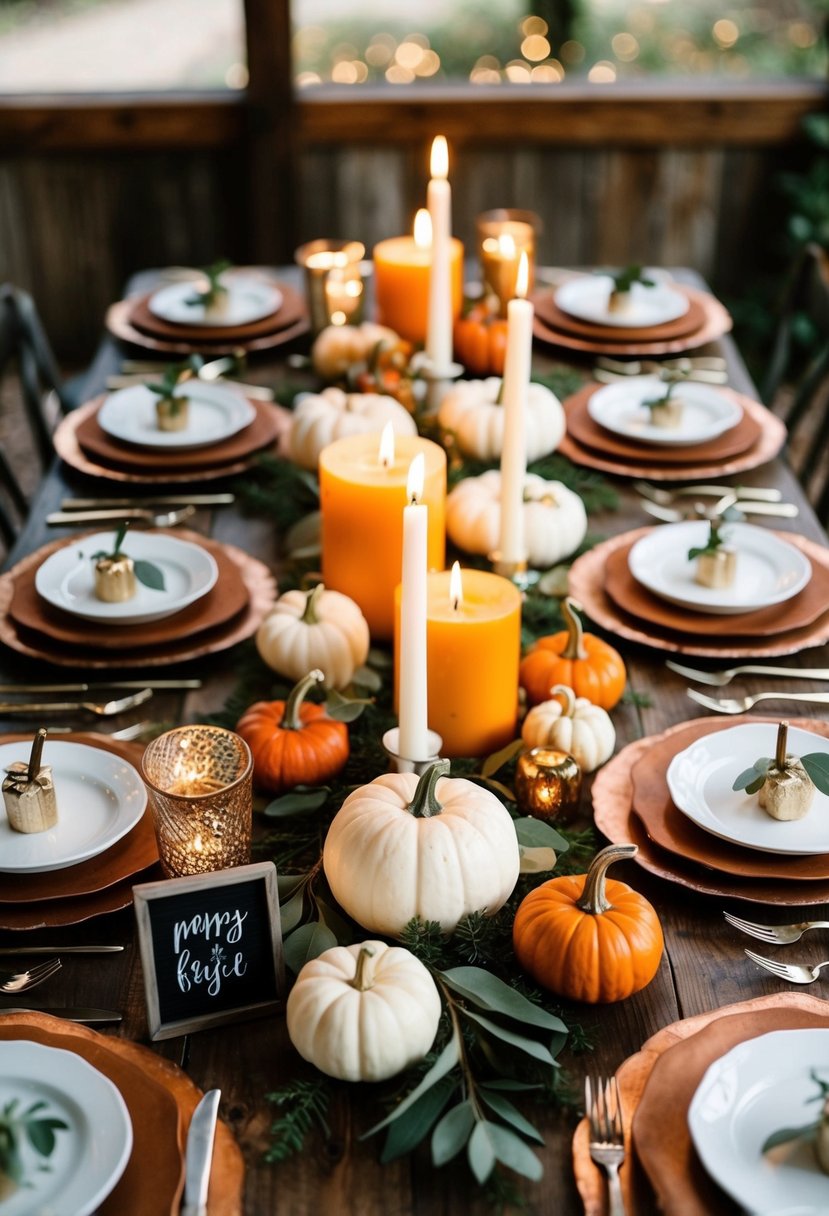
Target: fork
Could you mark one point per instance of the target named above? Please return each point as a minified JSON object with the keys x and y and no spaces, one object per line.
{"x":738,"y":705}
{"x":775,"y":935}
{"x":163,"y":519}
{"x":718,"y":679}
{"x":104,"y":709}
{"x":793,"y":973}
{"x":675,"y":515}
{"x":666,"y":498}
{"x":22,"y":981}
{"x":607,"y":1135}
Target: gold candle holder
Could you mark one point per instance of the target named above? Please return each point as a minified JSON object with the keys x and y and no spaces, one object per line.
{"x":503,"y":235}
{"x":199,"y":780}
{"x":333,"y":281}
{"x":548,"y":784}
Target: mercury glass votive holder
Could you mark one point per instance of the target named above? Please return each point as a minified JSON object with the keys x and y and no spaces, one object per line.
{"x":548,"y":784}
{"x":333,"y":282}
{"x":200,"y":784}
{"x":503,"y":235}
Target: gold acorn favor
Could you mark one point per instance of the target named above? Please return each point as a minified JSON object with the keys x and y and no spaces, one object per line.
{"x":787,"y":791}
{"x":29,"y":792}
{"x":716,"y":561}
{"x":117,"y":576}
{"x":666,"y":411}
{"x":172,"y":409}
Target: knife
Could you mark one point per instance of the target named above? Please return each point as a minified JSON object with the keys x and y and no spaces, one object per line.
{"x":73,"y":1013}
{"x":5,"y":951}
{"x":199,"y":1154}
{"x":166,"y":500}
{"x":98,"y":684}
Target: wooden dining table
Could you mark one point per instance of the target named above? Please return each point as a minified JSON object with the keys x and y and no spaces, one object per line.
{"x":339,"y":1174}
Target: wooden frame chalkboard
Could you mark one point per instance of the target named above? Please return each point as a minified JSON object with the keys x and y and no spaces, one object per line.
{"x":211,"y":948}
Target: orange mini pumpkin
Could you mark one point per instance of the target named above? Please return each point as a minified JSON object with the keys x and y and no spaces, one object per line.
{"x":587,"y":937}
{"x":480,"y":340}
{"x":293,"y":742}
{"x":579,"y":660}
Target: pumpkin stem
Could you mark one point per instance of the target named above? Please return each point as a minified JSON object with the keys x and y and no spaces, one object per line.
{"x":593,"y":898}
{"x":290,"y":716}
{"x":499,"y":400}
{"x":425,"y":801}
{"x":575,"y":632}
{"x":37,"y":751}
{"x":363,"y":977}
{"x":782,"y":742}
{"x":309,"y":616}
{"x":568,"y":697}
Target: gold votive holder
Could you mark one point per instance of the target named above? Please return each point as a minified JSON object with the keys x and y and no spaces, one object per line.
{"x":333,"y":282}
{"x":199,"y":780}
{"x":548,"y":784}
{"x":503,"y":235}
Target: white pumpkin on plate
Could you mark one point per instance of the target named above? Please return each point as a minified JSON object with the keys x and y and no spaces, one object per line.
{"x":320,"y":418}
{"x":472,"y":413}
{"x":555,"y":521}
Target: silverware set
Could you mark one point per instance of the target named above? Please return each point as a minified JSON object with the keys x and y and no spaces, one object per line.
{"x":15,"y":982}
{"x":673,"y":506}
{"x":103,"y":709}
{"x":138,"y":371}
{"x":704,"y":368}
{"x":781,"y":935}
{"x":22,"y":981}
{"x":739,"y":705}
{"x":161,"y":519}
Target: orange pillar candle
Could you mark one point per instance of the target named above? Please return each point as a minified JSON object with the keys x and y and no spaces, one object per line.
{"x":473,"y":642}
{"x":362,"y":500}
{"x":401,"y":280}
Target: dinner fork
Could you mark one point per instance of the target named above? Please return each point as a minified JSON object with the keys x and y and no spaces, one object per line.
{"x":676,"y":515}
{"x":104,"y":709}
{"x":22,"y":981}
{"x":738,"y":705}
{"x":793,"y":973}
{"x":607,"y":1134}
{"x":718,"y":679}
{"x":666,"y":498}
{"x":775,"y":935}
{"x":162,"y":519}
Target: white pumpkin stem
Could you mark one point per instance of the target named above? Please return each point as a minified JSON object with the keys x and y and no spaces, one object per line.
{"x":37,"y":751}
{"x":569,"y":698}
{"x":425,"y":802}
{"x":309,"y":616}
{"x":594,"y":898}
{"x":499,"y":400}
{"x":364,"y":975}
{"x":575,"y":631}
{"x":290,"y":718}
{"x":782,"y":743}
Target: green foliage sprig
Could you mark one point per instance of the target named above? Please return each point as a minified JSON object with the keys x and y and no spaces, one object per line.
{"x":753,"y":779}
{"x":786,"y":1134}
{"x":303,"y":1105}
{"x":209,"y":295}
{"x":624,"y":279}
{"x":714,"y":543}
{"x":29,"y":1124}
{"x":174,"y":375}
{"x":146,"y":572}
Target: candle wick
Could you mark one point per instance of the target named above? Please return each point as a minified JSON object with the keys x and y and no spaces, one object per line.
{"x":456,"y":603}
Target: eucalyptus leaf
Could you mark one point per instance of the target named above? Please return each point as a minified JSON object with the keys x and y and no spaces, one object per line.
{"x":290,"y":913}
{"x":405,"y":1134}
{"x":480,"y":1153}
{"x":487,"y":991}
{"x":749,"y":776}
{"x":511,"y":1151}
{"x":555,"y":582}
{"x":380,"y":659}
{"x":307,"y":942}
{"x":498,"y":759}
{"x":508,"y":1085}
{"x":530,"y":1047}
{"x":344,"y":709}
{"x":492,"y":784}
{"x":339,"y":926}
{"x":149,"y":574}
{"x":444,"y":1064}
{"x":306,"y":553}
{"x":510,"y":1114}
{"x":364,"y":677}
{"x":452,"y":1133}
{"x":535,"y":834}
{"x":301,"y":800}
{"x":286,"y":884}
{"x":816,"y":765}
{"x":536,"y":861}
{"x":785,"y":1134}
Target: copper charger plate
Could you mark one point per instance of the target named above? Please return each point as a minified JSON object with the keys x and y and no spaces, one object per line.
{"x":801,"y":610}
{"x":226,"y":600}
{"x":615,"y":818}
{"x":55,"y":913}
{"x":161,"y":1100}
{"x":118,"y":322}
{"x":260,"y":587}
{"x":587,"y":586}
{"x":670,"y":829}
{"x":675,"y":1179}
{"x":557,"y":319}
{"x":771,"y":440}
{"x":588,"y":434}
{"x":291,"y":311}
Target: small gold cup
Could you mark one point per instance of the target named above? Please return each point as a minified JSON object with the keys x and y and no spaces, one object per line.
{"x":548,"y":784}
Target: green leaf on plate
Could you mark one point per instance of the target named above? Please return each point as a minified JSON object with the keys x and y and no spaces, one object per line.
{"x":149,"y":574}
{"x":785,"y":1134}
{"x":406,"y":1133}
{"x":535,"y":834}
{"x":300,"y":800}
{"x":816,"y":765}
{"x":452,"y":1133}
{"x":488,"y":992}
{"x":307,"y":942}
{"x":444,"y":1064}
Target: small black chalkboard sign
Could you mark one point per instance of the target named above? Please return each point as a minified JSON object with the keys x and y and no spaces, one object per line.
{"x":211,"y":948}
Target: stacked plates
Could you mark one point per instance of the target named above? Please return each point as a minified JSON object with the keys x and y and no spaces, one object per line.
{"x":258,"y":314}
{"x":664,"y":319}
{"x":640,"y":586}
{"x":215,"y":596}
{"x":137,"y":1104}
{"x":671,"y":795}
{"x":721,"y":431}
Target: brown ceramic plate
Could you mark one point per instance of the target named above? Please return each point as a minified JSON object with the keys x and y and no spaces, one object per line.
{"x":52,"y":913}
{"x":291,"y":311}
{"x":119,"y":324}
{"x":587,"y":586}
{"x":225,"y":601}
{"x":556,"y":318}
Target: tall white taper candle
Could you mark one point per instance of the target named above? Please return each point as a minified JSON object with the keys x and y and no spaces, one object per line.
{"x":517,"y":366}
{"x":412,"y":676}
{"x":439,"y":203}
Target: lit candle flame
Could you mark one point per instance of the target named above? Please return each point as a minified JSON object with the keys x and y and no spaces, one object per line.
{"x":506,"y":245}
{"x":522,"y":279}
{"x":386,"y":453}
{"x":423,"y":229}
{"x":456,"y":587}
{"x":416,"y":478}
{"x":440,"y":157}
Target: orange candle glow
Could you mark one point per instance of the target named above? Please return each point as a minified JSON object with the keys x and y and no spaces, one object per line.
{"x":473,"y":644}
{"x":362,"y":498}
{"x":401,"y":280}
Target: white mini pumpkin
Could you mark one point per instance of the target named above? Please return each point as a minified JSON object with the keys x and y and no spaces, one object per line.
{"x":339,"y":347}
{"x":318,"y":628}
{"x":363,"y":1012}
{"x":438,"y":848}
{"x":320,"y":418}
{"x":471,"y":412}
{"x":555,"y":521}
{"x":582,"y":729}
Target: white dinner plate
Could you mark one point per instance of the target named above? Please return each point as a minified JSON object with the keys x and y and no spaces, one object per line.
{"x":66,"y":579}
{"x":587,"y":298}
{"x":706,"y":413}
{"x":248,"y":299}
{"x":760,"y":1087}
{"x":700,"y":780}
{"x":214,"y":414}
{"x":769,"y":570}
{"x":100,"y":798}
{"x":90,"y":1155}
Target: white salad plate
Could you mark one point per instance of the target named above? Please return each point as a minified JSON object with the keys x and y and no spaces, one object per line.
{"x":214,"y":414}
{"x":66,"y":579}
{"x":587,"y":298}
{"x":760,"y":1087}
{"x":247,"y":299}
{"x":90,"y":1153}
{"x":700,"y":780}
{"x":769,"y":570}
{"x":100,"y":798}
{"x":706,"y":413}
